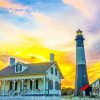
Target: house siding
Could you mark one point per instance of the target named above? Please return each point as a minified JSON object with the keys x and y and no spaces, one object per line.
{"x":54,"y":78}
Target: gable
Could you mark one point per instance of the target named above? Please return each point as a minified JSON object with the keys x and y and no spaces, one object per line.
{"x":97,"y":82}
{"x":55,"y":71}
{"x":19,"y":67}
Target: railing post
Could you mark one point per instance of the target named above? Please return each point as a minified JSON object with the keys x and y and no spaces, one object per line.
{"x":44,"y":85}
{"x":4,"y":87}
{"x":22,"y":85}
{"x":32,"y":85}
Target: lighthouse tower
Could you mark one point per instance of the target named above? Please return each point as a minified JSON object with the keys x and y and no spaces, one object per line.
{"x":81,"y":71}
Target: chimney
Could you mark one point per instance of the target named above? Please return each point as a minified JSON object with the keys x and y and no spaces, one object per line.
{"x":51,"y":57}
{"x":12,"y":61}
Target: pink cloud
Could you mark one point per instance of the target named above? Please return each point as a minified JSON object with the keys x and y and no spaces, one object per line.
{"x":14,"y":8}
{"x":7,"y":4}
{"x":18,"y":12}
{"x":87,"y":7}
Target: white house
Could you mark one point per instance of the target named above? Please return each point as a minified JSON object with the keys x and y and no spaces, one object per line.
{"x":96,"y":88}
{"x":31,"y":79}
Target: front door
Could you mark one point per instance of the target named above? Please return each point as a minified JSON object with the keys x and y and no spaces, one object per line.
{"x":11,"y":87}
{"x":36,"y":84}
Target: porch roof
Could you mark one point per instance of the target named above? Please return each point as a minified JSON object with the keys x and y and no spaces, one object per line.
{"x":33,"y":68}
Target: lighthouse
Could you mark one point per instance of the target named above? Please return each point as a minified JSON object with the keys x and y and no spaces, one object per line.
{"x":81,"y":70}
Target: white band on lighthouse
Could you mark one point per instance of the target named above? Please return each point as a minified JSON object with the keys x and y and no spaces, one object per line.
{"x":80,"y":59}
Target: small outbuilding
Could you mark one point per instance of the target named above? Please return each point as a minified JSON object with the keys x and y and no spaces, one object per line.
{"x":96,"y":88}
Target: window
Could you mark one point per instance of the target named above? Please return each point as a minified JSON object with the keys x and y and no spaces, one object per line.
{"x":30,"y":85}
{"x":56,"y":85}
{"x":52,"y":70}
{"x":59,"y":86}
{"x":18,"y":68}
{"x":36,"y":84}
{"x":50,"y":84}
{"x":99,"y":81}
{"x":56,"y":72}
{"x":11,"y":85}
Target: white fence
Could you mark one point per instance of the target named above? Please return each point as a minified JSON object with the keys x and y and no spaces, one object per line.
{"x":30,"y":98}
{"x":42,"y":98}
{"x":77,"y":98}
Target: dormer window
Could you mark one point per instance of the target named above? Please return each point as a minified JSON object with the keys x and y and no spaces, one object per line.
{"x":18,"y":68}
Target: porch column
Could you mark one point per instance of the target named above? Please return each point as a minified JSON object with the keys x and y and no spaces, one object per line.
{"x":22,"y":85}
{"x":4,"y":87}
{"x":32,"y":85}
{"x":44,"y":85}
{"x":14,"y":85}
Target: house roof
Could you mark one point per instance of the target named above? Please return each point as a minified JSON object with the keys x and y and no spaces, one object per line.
{"x":33,"y":68}
{"x":96,"y":81}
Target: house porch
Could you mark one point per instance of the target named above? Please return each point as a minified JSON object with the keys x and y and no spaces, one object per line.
{"x":36,"y":86}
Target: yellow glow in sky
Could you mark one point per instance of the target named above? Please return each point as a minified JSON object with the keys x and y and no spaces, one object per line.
{"x":31,"y":30}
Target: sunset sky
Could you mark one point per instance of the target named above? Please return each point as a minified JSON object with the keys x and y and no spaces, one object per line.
{"x":32,"y":29}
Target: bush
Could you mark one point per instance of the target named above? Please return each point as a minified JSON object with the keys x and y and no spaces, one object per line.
{"x":67,"y":91}
{"x":16,"y":93}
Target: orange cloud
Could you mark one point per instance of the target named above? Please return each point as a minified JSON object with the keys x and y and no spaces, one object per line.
{"x":41,"y":17}
{"x":94,"y":71}
{"x":7,"y":4}
{"x":31,"y":53}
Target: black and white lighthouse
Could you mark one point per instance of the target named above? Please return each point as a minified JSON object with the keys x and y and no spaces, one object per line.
{"x":81,"y":70}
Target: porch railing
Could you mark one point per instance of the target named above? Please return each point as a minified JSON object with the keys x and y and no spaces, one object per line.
{"x":24,"y":92}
